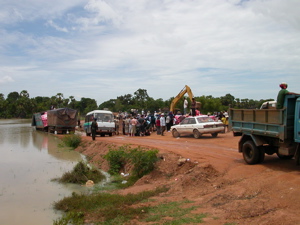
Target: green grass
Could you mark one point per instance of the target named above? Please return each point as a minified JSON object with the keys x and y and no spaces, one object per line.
{"x":106,"y":208}
{"x":80,"y":174}
{"x":174,"y":213}
{"x":71,"y":140}
{"x":103,"y":208}
{"x":142,"y":160}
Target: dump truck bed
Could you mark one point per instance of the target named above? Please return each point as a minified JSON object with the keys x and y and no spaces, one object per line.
{"x":277,"y":123}
{"x":265,"y":122}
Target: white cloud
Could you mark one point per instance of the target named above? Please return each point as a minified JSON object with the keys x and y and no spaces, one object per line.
{"x":6,"y":79}
{"x":55,"y":26}
{"x":216,"y":47}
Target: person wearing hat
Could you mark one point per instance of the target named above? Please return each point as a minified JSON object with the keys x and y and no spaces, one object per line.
{"x":281,"y":95}
{"x":162,"y":124}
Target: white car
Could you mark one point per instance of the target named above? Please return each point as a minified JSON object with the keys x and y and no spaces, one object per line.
{"x":197,"y":126}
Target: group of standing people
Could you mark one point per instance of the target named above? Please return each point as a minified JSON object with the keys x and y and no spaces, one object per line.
{"x":144,"y":125}
{"x":193,"y":111}
{"x":136,"y":126}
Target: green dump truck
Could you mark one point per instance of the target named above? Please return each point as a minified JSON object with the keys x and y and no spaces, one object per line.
{"x":268,"y":131}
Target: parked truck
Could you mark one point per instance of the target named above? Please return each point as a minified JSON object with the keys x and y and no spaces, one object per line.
{"x":60,"y":121}
{"x":268,"y":131}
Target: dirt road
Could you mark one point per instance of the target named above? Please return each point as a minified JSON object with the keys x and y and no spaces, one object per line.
{"x":216,"y":178}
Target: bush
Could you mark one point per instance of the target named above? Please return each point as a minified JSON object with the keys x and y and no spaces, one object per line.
{"x":143,"y":161}
{"x":72,"y":140}
{"x":80,"y":174}
{"x":117,"y":159}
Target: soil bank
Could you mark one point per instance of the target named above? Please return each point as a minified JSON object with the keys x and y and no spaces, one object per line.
{"x":215,"y":177}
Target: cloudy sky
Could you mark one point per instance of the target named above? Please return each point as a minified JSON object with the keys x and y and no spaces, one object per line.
{"x":102,"y":49}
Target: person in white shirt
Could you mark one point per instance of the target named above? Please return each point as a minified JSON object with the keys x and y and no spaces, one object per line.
{"x":185,"y":105}
{"x":162,"y":124}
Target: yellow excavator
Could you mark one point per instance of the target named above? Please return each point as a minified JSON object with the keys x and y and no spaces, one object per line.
{"x":185,"y":90}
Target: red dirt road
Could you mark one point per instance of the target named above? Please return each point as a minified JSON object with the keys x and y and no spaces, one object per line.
{"x":216,"y":178}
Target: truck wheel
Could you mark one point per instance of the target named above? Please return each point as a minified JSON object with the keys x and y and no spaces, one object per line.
{"x":88,"y":134}
{"x":214,"y":135}
{"x":284,"y":157}
{"x":196,"y":134}
{"x":251,"y":153}
{"x":175,"y":133}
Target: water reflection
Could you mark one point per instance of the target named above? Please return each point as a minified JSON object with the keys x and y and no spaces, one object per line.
{"x":29,"y":160}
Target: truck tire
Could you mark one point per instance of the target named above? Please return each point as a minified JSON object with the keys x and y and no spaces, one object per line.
{"x":251,"y":153}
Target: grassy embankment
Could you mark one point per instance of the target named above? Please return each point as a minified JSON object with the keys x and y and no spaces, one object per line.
{"x":107,"y":208}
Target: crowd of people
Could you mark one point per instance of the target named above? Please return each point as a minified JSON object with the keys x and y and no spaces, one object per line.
{"x":145,"y":124}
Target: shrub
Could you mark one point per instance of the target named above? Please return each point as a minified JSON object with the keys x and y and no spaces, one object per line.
{"x":117,"y":159}
{"x":80,"y":174}
{"x":143,"y":161}
{"x":72,"y":140}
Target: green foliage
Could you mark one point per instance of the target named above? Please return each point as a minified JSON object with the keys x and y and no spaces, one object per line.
{"x":74,"y":218}
{"x":117,"y":159}
{"x":80,"y":174}
{"x":72,"y":140}
{"x":104,"y":207}
{"x":22,"y":106}
{"x":143,"y":161}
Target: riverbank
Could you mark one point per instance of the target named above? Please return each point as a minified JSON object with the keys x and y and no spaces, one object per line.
{"x":210,"y":173}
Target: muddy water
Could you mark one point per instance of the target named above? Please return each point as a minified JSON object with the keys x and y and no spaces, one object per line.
{"x":29,"y":159}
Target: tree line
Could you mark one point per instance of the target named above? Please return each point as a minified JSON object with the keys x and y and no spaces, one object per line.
{"x":20,"y":105}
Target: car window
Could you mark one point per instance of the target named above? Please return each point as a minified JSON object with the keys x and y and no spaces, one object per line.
{"x":204,"y":119}
{"x":185,"y":121}
{"x":192,"y":121}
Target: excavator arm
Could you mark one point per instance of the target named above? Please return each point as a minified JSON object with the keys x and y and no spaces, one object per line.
{"x":185,"y":90}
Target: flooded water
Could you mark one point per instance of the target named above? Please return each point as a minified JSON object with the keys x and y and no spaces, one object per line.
{"x":29,"y":160}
